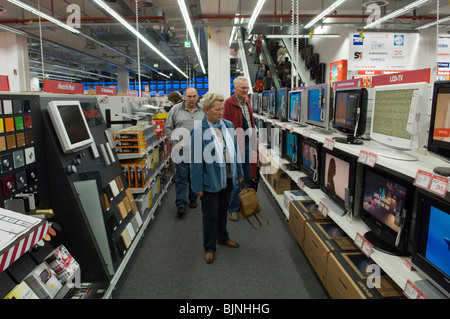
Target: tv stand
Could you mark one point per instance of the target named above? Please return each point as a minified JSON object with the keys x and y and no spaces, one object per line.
{"x":348,"y":140}
{"x":378,"y":244}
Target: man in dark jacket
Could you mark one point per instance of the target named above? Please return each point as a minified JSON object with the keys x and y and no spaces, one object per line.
{"x":239,"y":111}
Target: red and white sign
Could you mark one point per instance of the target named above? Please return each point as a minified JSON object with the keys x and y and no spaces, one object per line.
{"x":52,"y":86}
{"x":422,"y":75}
{"x":132,"y":93}
{"x":347,"y":84}
{"x":105,"y":90}
{"x":4,"y":83}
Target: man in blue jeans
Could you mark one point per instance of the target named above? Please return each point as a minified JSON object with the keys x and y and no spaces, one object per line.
{"x":180,"y":121}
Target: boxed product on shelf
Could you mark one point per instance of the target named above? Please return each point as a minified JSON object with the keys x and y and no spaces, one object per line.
{"x":136,"y":171}
{"x":62,"y":263}
{"x":300,"y":213}
{"x":322,"y":238}
{"x":281,"y":181}
{"x":144,"y":201}
{"x":22,"y":291}
{"x":135,"y":132}
{"x":294,"y":195}
{"x":43,"y":282}
{"x":353,"y":275}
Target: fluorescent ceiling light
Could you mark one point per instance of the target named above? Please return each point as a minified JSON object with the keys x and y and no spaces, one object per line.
{"x":325,"y":12}
{"x":395,"y":13}
{"x":432,"y":23}
{"x":187,"y":20}
{"x":136,"y":33}
{"x":255,"y":14}
{"x":44,"y":15}
{"x":288,"y":36}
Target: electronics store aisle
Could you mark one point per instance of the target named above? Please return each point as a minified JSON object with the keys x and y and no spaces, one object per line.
{"x":169,"y":264}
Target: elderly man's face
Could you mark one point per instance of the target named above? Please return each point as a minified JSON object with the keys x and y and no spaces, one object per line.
{"x":242,"y":89}
{"x":191,"y":97}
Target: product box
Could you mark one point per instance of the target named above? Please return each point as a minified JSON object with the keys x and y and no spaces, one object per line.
{"x":281,"y":182}
{"x":301,"y":212}
{"x":353,"y":275}
{"x":294,"y":195}
{"x":62,"y":263}
{"x":136,"y":171}
{"x":130,"y":149}
{"x":22,"y":291}
{"x":43,"y":282}
{"x":321,"y":239}
{"x":135,"y":132}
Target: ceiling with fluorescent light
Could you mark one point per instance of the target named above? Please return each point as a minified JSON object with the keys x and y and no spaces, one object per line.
{"x":161,"y":22}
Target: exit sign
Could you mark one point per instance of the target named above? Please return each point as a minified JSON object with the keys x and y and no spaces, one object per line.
{"x":187,"y":44}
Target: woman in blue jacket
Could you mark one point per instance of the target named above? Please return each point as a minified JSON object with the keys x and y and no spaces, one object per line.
{"x":214,"y":171}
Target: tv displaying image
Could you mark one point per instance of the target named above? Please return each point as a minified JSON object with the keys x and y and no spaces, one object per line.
{"x":438,"y":240}
{"x":383,"y":199}
{"x":336,"y":175}
{"x":294,"y":106}
{"x":315,"y":105}
{"x":310,"y":157}
{"x":291,"y":148}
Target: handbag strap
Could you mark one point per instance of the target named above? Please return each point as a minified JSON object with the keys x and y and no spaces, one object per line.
{"x":259,"y":222}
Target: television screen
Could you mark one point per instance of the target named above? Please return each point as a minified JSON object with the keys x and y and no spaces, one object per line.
{"x":310,"y":159}
{"x":265,"y":102}
{"x":350,"y":111}
{"x":439,"y":136}
{"x":392,"y":125}
{"x":336,"y":177}
{"x":432,"y":241}
{"x":272,"y":102}
{"x":318,"y":105}
{"x":294,"y":106}
{"x":291,"y":149}
{"x":282,"y":104}
{"x":315,"y":105}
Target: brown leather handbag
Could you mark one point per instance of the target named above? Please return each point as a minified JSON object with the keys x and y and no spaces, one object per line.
{"x":250,"y":206}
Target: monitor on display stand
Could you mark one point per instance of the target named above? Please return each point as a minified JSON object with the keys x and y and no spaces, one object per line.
{"x":318,"y":106}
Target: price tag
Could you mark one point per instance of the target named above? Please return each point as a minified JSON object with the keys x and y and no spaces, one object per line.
{"x":300,"y":184}
{"x":320,"y":207}
{"x":367,"y":248}
{"x":283,"y":126}
{"x":407,"y":264}
{"x":359,"y":240}
{"x":283,"y":167}
{"x":410,"y":290}
{"x":325,"y":211}
{"x":371,"y":159}
{"x":423,"y":179}
{"x":363,"y":157}
{"x":273,"y":122}
{"x":329,"y":144}
{"x":306,"y":133}
{"x":439,"y":185}
{"x":291,"y":130}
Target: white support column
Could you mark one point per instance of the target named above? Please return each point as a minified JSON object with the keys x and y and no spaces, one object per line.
{"x":14,"y":61}
{"x":123,"y":80}
{"x":219,"y":60}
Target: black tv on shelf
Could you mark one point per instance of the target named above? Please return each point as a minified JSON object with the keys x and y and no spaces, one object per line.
{"x":431,"y":247}
{"x":350,"y":114}
{"x":311,"y":151}
{"x":384,"y":202}
{"x":282,"y":103}
{"x":291,"y":148}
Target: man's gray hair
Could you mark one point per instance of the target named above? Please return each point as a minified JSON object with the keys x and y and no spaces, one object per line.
{"x":239,"y":78}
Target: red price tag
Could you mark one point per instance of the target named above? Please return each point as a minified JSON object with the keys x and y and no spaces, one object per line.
{"x":359,"y":240}
{"x":283,"y":126}
{"x":329,"y":144}
{"x":423,"y":179}
{"x":306,"y":133}
{"x":439,"y":185}
{"x":291,"y":130}
{"x":300,"y":184}
{"x":367,"y":248}
{"x":410,"y":290}
{"x":363,"y":157}
{"x":371,"y":159}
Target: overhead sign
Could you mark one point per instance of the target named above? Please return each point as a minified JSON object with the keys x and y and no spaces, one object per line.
{"x":187,"y":44}
{"x":105,"y":90}
{"x":383,"y":51}
{"x":52,"y":86}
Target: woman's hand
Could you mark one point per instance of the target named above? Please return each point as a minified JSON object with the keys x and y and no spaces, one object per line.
{"x":200,"y":194}
{"x":240,"y":179}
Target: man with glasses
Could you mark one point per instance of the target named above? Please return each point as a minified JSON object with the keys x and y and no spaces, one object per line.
{"x":182,"y":116}
{"x":239,"y":111}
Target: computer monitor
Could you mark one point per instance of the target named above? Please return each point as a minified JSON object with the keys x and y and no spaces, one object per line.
{"x":265,"y":102}
{"x":318,"y":107}
{"x":393,"y":126}
{"x":310,"y":164}
{"x":282,"y":104}
{"x":337,"y":175}
{"x":439,"y":133}
{"x":70,"y":125}
{"x":262,"y":131}
{"x":350,"y":114}
{"x":384,"y":203}
{"x":296,"y":112}
{"x":430,"y":255}
{"x":254,"y":101}
{"x":272,"y":104}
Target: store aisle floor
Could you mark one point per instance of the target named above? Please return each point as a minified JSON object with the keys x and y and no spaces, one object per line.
{"x":168,"y":262}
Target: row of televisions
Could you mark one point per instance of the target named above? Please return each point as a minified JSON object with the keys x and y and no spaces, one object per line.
{"x":384,"y":199}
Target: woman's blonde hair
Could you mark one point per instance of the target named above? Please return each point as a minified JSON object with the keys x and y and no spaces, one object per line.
{"x":209,"y":99}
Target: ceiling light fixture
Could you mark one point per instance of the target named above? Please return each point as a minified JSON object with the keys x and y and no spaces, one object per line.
{"x":44,"y":15}
{"x":187,"y":20}
{"x":255,"y":14}
{"x":325,"y":12}
{"x":395,"y":13}
{"x":430,"y":24}
{"x":136,"y":33}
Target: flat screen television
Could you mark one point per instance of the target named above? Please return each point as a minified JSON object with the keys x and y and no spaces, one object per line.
{"x":296,"y":114}
{"x":70,"y":125}
{"x":392,"y":125}
{"x":272,"y":103}
{"x":254,"y":101}
{"x":350,"y":114}
{"x":264,"y":102}
{"x":384,"y":203}
{"x":337,"y":175}
{"x":430,"y":255}
{"x":262,"y":131}
{"x":318,"y":106}
{"x":282,"y":104}
{"x":439,"y":133}
{"x":310,"y":161}
{"x":291,"y":149}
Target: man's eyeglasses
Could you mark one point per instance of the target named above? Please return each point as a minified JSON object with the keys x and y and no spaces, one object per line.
{"x":244,"y":88}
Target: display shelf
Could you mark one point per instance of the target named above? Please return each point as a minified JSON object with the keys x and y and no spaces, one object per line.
{"x":393,"y":266}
